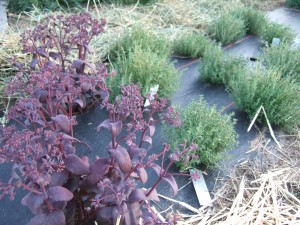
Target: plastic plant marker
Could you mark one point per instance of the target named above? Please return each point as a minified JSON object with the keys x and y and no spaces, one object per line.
{"x":201,"y":189}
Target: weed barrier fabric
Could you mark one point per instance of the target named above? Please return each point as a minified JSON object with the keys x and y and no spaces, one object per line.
{"x":191,"y":87}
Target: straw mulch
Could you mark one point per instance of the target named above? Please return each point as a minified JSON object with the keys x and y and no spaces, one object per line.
{"x":264,"y":190}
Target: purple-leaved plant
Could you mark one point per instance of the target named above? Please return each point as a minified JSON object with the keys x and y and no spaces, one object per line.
{"x":60,"y":44}
{"x":62,"y":187}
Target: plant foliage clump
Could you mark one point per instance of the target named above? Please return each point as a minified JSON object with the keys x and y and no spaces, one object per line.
{"x":228,"y":29}
{"x":275,"y":30}
{"x":216,"y":68}
{"x":18,"y":6}
{"x":147,"y":68}
{"x":212,"y":131}
{"x":62,"y":187}
{"x":293,"y":4}
{"x":284,"y":58}
{"x":146,"y":40}
{"x":190,"y":45}
{"x":279,"y":96}
{"x":254,"y":19}
{"x":129,"y":2}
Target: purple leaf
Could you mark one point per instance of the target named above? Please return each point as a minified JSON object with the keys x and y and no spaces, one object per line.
{"x":42,"y":52}
{"x":59,"y":193}
{"x":172,"y":182}
{"x":154,"y":196}
{"x":151,"y":130}
{"x":116,"y":128}
{"x":54,"y":55}
{"x":137,"y":195}
{"x":157,"y":169}
{"x":77,"y":64}
{"x":105,"y":124}
{"x":92,"y":66}
{"x":33,"y":63}
{"x":58,"y":178}
{"x":56,"y":217}
{"x":122,"y":157}
{"x":98,"y":170}
{"x":104,"y":95}
{"x":68,"y":147}
{"x":33,"y":201}
{"x":41,"y":122}
{"x":63,"y":122}
{"x":76,"y":165}
{"x":142,"y":174}
{"x":79,"y":102}
{"x":49,"y":64}
{"x":137,"y":153}
{"x":88,"y":48}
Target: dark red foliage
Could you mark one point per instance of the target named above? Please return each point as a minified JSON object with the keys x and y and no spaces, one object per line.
{"x":63,"y":187}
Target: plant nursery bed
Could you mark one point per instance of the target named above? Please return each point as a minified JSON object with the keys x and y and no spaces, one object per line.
{"x":191,"y":88}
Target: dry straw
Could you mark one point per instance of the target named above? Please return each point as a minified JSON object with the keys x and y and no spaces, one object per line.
{"x":264,"y":190}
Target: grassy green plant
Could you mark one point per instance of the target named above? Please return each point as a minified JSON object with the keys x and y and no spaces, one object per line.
{"x":254,"y":19}
{"x":207,"y":127}
{"x":216,"y":68}
{"x":27,"y":5}
{"x":190,"y":45}
{"x":285,"y":58}
{"x":276,"y":30}
{"x":279,"y":96}
{"x":128,"y":2}
{"x":293,"y":3}
{"x":147,"y":68}
{"x":228,"y":29}
{"x":139,"y":37}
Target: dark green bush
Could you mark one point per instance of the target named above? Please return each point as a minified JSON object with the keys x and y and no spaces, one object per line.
{"x":254,"y":19}
{"x":293,"y":3}
{"x":147,"y":68}
{"x":139,"y":37}
{"x":207,"y":127}
{"x":18,"y":6}
{"x":276,"y":30}
{"x":285,"y":58}
{"x":227,"y":29}
{"x":217,"y":68}
{"x":190,"y":45}
{"x":279,"y":96}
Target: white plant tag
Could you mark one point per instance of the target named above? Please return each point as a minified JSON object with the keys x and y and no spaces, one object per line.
{"x":153,"y":91}
{"x":201,"y":189}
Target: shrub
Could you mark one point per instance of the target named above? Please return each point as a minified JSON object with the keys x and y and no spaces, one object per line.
{"x":190,"y":45}
{"x":254,"y":19}
{"x":279,"y":96}
{"x":228,"y":29}
{"x":216,"y":68}
{"x":276,"y":30}
{"x":27,"y":5}
{"x":293,"y":3}
{"x":205,"y":126}
{"x":284,"y":58}
{"x":142,"y":38}
{"x":148,"y":69}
